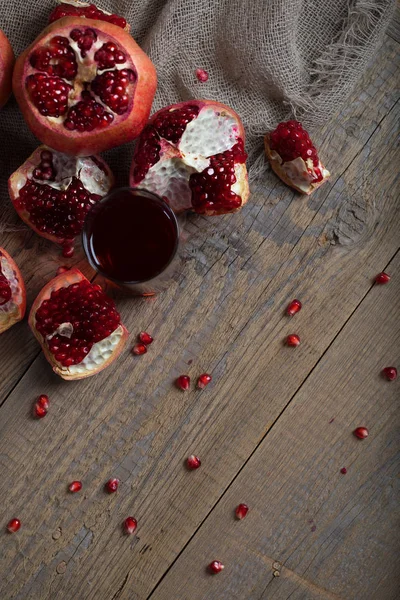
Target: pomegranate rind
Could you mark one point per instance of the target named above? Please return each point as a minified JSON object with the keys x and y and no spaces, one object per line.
{"x":68,"y":373}
{"x":14,"y":310}
{"x":18,"y":179}
{"x":7,"y":60}
{"x":86,"y":143}
{"x":276,"y":163}
{"x":79,"y":4}
{"x":171,"y":152}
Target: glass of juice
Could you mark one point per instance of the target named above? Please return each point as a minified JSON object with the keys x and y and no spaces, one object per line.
{"x":131,"y":237}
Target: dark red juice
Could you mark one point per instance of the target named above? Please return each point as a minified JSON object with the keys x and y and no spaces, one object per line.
{"x":130,"y":237}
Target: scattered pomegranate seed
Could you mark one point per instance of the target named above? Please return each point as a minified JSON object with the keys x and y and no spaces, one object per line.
{"x":39,"y":411}
{"x":293,"y":340}
{"x":68,"y":251}
{"x":145,"y":338}
{"x":202,"y":75}
{"x":390,"y":373}
{"x":343,"y":470}
{"x":293,"y":307}
{"x":216,"y":566}
{"x":112,"y":485}
{"x":43,"y":401}
{"x":203,"y":381}
{"x":382,"y":278}
{"x":75,"y":486}
{"x":62,"y":270}
{"x":14,"y":525}
{"x":139,"y":349}
{"x":241,"y":511}
{"x":183,"y":382}
{"x":361,"y":433}
{"x":193,"y":462}
{"x":130,"y":525}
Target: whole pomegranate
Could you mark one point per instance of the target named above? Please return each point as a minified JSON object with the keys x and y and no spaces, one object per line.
{"x":294,"y":158}
{"x":84,"y":86}
{"x":12,"y":292}
{"x":77,"y":325}
{"x":53,"y":192}
{"x":7,"y":60}
{"x":69,"y":8}
{"x":192,"y":154}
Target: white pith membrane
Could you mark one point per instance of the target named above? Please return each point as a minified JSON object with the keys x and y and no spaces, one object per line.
{"x":9,"y":312}
{"x":301,"y":173}
{"x":87,"y":70}
{"x":211,"y":132}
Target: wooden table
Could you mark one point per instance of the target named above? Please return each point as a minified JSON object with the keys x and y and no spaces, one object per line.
{"x":273,"y":429}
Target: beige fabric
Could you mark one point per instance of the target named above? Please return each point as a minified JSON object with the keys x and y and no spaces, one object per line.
{"x":268,"y":59}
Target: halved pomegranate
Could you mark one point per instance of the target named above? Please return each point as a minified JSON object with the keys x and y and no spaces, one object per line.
{"x":7,"y":60}
{"x":77,"y":325}
{"x":75,"y":8}
{"x":12,"y":292}
{"x":293,"y":157}
{"x":53,"y":192}
{"x":84,"y":86}
{"x":192,"y":154}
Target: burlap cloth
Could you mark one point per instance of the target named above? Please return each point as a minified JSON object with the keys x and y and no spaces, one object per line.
{"x":268,"y":59}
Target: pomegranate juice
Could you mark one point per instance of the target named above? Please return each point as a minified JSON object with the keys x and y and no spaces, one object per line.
{"x":132,"y":236}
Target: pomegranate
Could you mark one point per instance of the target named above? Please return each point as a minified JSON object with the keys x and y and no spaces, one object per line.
{"x":12,"y":292}
{"x":139,"y":349}
{"x":293,"y":157}
{"x":53,"y":193}
{"x":361,"y":433}
{"x":192,"y":154}
{"x":241,"y":511}
{"x":215,"y":566}
{"x":183,"y":382}
{"x":293,"y":340}
{"x":382,"y":278}
{"x":7,"y":60}
{"x":14,"y":525}
{"x":75,"y":8}
{"x":75,"y":486}
{"x":389,"y":373}
{"x":77,"y":326}
{"x":145,"y":338}
{"x":193,"y":462}
{"x":84,"y":86}
{"x":112,"y":485}
{"x":203,"y":381}
{"x":130,"y":525}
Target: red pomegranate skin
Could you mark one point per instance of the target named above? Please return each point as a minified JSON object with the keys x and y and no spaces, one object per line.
{"x":7,"y":60}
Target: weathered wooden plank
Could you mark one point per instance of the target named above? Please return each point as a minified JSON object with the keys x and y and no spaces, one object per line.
{"x":394,"y":26}
{"x":324,"y":534}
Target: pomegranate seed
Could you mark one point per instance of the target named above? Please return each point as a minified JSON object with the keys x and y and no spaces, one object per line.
{"x":382,"y":278}
{"x":145,"y":338}
{"x":293,"y":340}
{"x":390,"y":373}
{"x":293,"y":307}
{"x":290,"y":141}
{"x":90,"y":11}
{"x":68,"y":251}
{"x":241,"y":511}
{"x":62,"y":270}
{"x":112,"y":485}
{"x":361,"y":432}
{"x":203,"y":381}
{"x":193,"y":462}
{"x":215,"y":567}
{"x":201,"y":75}
{"x":130,"y":525}
{"x":43,"y":401}
{"x":139,"y":349}
{"x":14,"y":525}
{"x":183,"y":382}
{"x":75,"y":486}
{"x":343,"y":470}
{"x":39,"y":411}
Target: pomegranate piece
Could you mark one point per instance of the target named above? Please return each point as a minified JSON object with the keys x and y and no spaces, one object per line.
{"x":389,"y":373}
{"x":7,"y":60}
{"x":382,"y":278}
{"x":145,"y":338}
{"x":343,"y":470}
{"x":361,"y":433}
{"x":293,"y":308}
{"x":183,"y":382}
{"x":215,"y":566}
{"x":294,"y":158}
{"x":75,"y":8}
{"x":84,"y":85}
{"x":293,"y":340}
{"x":139,"y":349}
{"x":77,"y":325}
{"x":112,"y":485}
{"x":202,"y":75}
{"x":193,"y":462}
{"x":192,"y":154}
{"x":53,"y":193}
{"x":130,"y":525}
{"x":12,"y":292}
{"x":14,"y":525}
{"x":241,"y":511}
{"x":75,"y":486}
{"x":203,"y":381}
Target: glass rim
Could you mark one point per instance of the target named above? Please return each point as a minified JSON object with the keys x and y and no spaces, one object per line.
{"x":90,"y":215}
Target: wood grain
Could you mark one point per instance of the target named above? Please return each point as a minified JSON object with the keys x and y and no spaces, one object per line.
{"x":226,"y":315}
